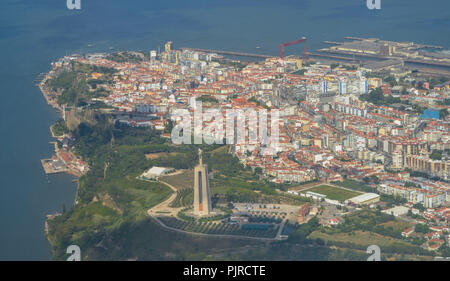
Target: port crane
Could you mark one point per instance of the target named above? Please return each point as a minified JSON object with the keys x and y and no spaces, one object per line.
{"x":303,"y":39}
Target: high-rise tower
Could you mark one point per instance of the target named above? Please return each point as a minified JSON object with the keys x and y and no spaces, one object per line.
{"x":202,"y":197}
{"x":168,"y":46}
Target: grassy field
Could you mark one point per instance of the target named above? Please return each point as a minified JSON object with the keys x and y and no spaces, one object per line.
{"x":185,"y":197}
{"x":334,"y":193}
{"x":152,"y":156}
{"x":181,"y":181}
{"x":358,"y":237}
{"x":355,"y":185}
{"x":396,"y":225}
{"x":345,"y":254}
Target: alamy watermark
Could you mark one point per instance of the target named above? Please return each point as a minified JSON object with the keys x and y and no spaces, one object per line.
{"x":75,"y":253}
{"x":73,"y":4}
{"x":375,"y":252}
{"x":234,"y":126}
{"x":373,"y":4}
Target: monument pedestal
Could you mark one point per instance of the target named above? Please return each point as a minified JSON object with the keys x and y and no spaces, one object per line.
{"x":202,"y":196}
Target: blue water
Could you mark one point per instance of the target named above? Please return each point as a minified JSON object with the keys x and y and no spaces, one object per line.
{"x":430,"y":114}
{"x":35,"y":32}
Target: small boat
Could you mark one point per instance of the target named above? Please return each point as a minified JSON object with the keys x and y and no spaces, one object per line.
{"x":258,"y":47}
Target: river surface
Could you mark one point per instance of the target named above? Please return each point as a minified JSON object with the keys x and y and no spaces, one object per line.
{"x":33,"y":33}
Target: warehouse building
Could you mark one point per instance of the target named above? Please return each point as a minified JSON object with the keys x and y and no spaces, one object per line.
{"x":364,"y":199}
{"x":156,"y":172}
{"x":397,"y":211}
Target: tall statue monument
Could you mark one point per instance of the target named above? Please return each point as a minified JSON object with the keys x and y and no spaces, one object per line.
{"x":202,"y":196}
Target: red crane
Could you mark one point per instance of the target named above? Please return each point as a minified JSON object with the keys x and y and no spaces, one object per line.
{"x":303,"y":39}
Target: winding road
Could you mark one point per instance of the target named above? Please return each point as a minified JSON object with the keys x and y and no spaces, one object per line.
{"x":164,"y":208}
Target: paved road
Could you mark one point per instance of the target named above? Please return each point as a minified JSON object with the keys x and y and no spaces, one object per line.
{"x":164,"y":207}
{"x":278,"y":236}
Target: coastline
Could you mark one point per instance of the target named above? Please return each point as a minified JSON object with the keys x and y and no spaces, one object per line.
{"x":47,"y":94}
{"x":51,"y":99}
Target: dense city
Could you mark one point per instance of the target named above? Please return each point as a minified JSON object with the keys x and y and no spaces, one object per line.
{"x":351,"y":136}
